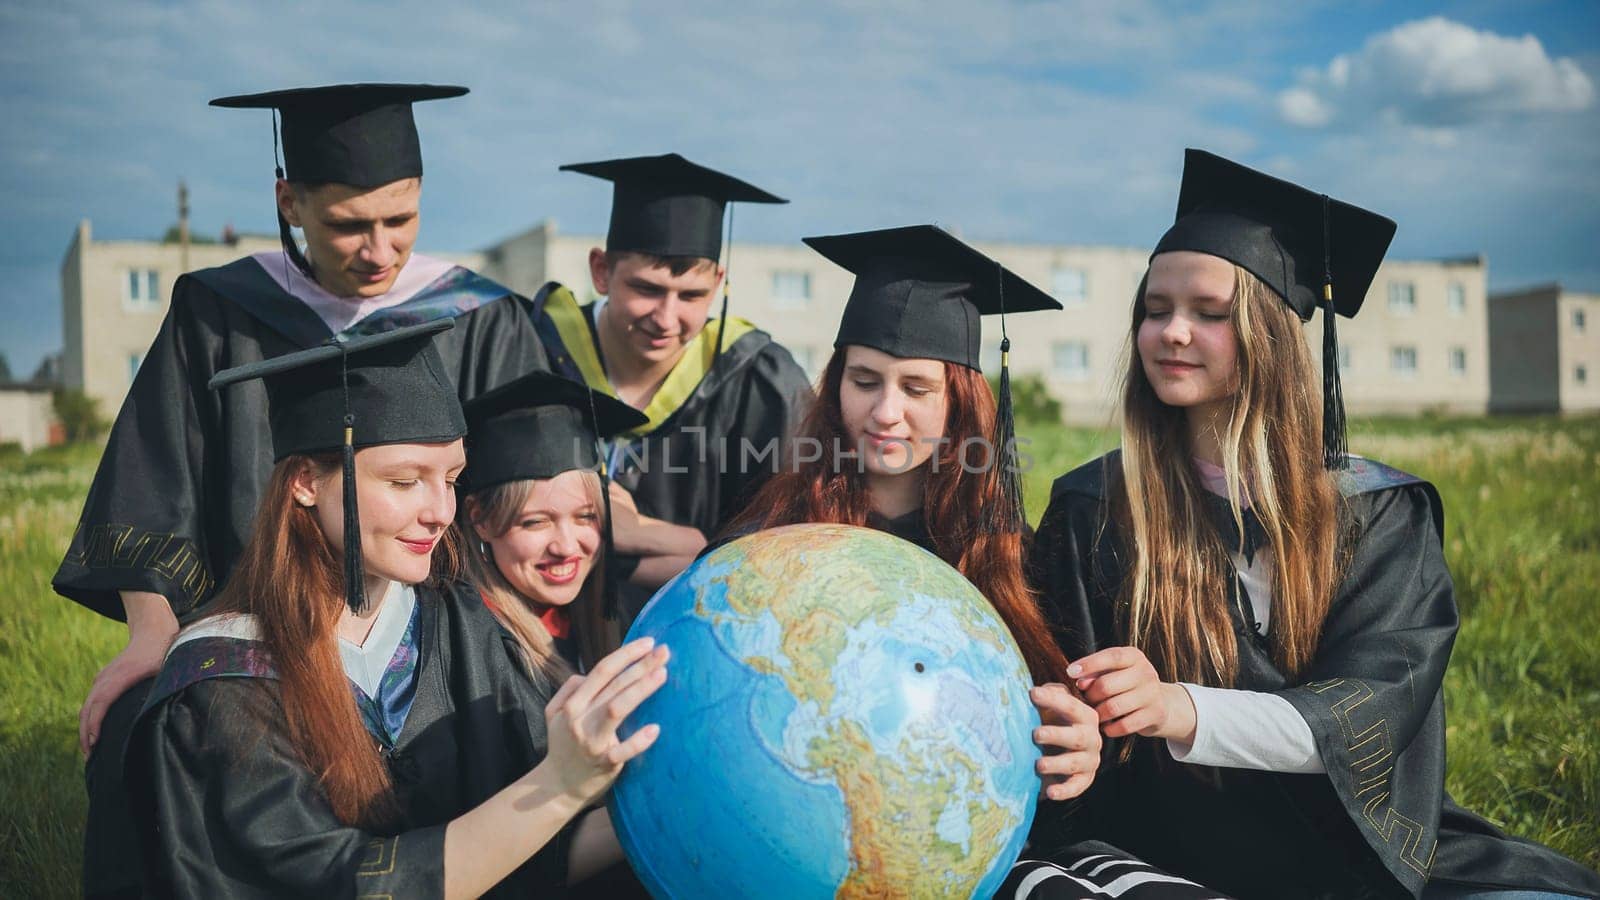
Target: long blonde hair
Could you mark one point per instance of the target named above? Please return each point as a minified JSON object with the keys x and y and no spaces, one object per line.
{"x":1174,"y":600}
{"x":495,"y":511}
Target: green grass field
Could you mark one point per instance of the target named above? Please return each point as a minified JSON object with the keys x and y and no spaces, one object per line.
{"x":1522,"y":501}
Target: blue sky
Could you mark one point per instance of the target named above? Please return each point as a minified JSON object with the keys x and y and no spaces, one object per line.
{"x":1475,"y":125}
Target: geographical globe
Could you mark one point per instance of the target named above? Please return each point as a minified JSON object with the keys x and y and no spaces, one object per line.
{"x":844,"y":716}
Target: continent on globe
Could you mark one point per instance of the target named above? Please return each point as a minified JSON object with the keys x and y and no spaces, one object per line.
{"x":846,"y":717}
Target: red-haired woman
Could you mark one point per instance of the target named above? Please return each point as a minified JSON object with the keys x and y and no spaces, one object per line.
{"x":1261,"y":621}
{"x":349,"y":722}
{"x":903,"y":438}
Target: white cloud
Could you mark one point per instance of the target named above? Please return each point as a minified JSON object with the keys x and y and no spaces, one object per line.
{"x":1435,"y":74}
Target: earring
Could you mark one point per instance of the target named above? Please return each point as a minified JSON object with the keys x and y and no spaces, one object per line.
{"x":303,"y":499}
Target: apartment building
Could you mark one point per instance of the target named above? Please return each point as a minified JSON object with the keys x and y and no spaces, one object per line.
{"x":1421,"y":342}
{"x":1545,"y":350}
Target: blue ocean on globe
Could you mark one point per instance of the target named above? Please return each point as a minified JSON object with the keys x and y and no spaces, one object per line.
{"x":844,"y":716}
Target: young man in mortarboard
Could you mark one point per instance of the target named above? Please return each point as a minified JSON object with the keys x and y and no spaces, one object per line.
{"x":719,"y":392}
{"x":181,"y":477}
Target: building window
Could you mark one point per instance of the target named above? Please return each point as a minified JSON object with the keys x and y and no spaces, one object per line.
{"x":134,"y":360}
{"x":1403,"y":361}
{"x":1458,"y":360}
{"x":1346,"y":359}
{"x":1071,"y":360}
{"x":1455,"y":299}
{"x":1402,"y":298}
{"x":1578,"y":320}
{"x":1070,"y":286}
{"x":791,"y":288}
{"x":806,"y":358}
{"x":1582,"y":374}
{"x":140,"y":290}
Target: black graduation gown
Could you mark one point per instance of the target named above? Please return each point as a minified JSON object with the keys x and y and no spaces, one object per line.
{"x":178,"y":486}
{"x":690,"y":467}
{"x":909,"y":527}
{"x":1378,"y":823}
{"x":225,"y":808}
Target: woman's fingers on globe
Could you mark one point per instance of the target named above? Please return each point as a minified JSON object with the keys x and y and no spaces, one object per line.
{"x":1067,"y":737}
{"x":636,"y":744}
{"x":1064,"y":764}
{"x":627,"y":677}
{"x":630,"y":697}
{"x":1054,"y":701}
{"x":608,"y":668}
{"x":1072,"y":787}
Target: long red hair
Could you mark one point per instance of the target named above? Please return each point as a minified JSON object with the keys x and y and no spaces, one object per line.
{"x":291,"y":579}
{"x":953,"y":500}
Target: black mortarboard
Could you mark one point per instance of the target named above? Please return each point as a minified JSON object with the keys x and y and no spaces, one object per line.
{"x":1308,"y":247}
{"x":393,"y":385}
{"x":668,"y":206}
{"x":919,"y":294}
{"x":539,"y":426}
{"x":357,"y":134}
{"x":920,"y":291}
{"x":1295,"y":240}
{"x":388,"y":388}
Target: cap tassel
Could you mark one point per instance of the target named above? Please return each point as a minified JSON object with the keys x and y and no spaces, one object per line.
{"x":355,"y":592}
{"x":1334,"y":444}
{"x":291,"y":250}
{"x":354,"y":580}
{"x":610,"y":597}
{"x":722,"y":319}
{"x":1008,"y":517}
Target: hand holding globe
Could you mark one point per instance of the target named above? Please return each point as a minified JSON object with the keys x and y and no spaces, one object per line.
{"x":847,"y":717}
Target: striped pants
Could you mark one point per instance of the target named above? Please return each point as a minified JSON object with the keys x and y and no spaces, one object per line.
{"x":1099,"y":871}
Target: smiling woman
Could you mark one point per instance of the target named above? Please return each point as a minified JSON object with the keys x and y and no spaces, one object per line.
{"x":539,"y":519}
{"x":305,"y":738}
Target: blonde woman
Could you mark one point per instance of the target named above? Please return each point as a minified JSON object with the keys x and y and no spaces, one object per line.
{"x":1261,"y":621}
{"x":535,"y":519}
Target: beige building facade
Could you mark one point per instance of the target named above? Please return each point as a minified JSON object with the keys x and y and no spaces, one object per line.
{"x":1420,"y":343}
{"x":114,"y":296}
{"x":1546,"y":350}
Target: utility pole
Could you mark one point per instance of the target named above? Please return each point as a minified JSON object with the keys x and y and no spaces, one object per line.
{"x":183,"y":226}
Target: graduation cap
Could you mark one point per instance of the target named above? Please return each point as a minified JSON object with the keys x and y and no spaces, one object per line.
{"x":357,"y":134}
{"x":388,"y":388}
{"x":539,"y":426}
{"x":919,"y":293}
{"x":1298,"y":242}
{"x":668,"y":206}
